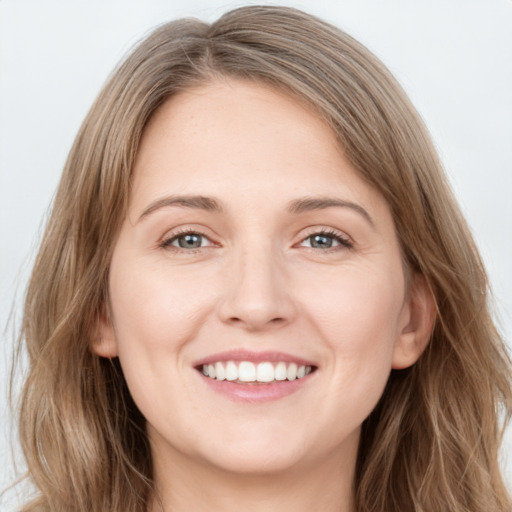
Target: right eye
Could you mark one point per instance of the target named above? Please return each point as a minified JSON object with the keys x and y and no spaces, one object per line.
{"x":326,"y":240}
{"x":188,"y":240}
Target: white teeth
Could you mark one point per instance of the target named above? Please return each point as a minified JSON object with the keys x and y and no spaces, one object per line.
{"x":291,"y":372}
{"x":231,"y":371}
{"x":246,"y":371}
{"x":220,"y":373}
{"x":265,"y":372}
{"x":280,"y":371}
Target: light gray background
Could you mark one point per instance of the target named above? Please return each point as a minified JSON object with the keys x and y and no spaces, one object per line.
{"x":454,"y":58}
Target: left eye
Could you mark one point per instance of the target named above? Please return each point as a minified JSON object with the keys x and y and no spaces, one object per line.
{"x":188,"y":241}
{"x":324,"y":241}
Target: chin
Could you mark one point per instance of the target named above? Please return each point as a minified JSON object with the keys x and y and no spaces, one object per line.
{"x":250,"y":460}
{"x":260,"y":447}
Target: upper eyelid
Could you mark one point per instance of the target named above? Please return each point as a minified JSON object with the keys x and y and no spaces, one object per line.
{"x":178,"y":231}
{"x":166,"y":241}
{"x":200,"y":231}
{"x":342,"y":241}
{"x":306,"y":233}
{"x":327,"y":230}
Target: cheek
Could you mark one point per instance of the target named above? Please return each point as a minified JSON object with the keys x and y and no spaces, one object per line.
{"x":359,"y":323}
{"x":154,"y":311}
{"x":155,"y":316}
{"x":359,"y":298}
{"x":357,"y":313}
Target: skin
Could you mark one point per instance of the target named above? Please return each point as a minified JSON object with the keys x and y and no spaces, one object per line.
{"x":256,"y":283}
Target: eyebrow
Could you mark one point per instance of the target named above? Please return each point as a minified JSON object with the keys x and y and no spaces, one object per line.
{"x":307,"y":204}
{"x":197,"y":202}
{"x":295,"y":207}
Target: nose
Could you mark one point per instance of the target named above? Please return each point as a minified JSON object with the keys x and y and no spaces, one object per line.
{"x":257,"y":297}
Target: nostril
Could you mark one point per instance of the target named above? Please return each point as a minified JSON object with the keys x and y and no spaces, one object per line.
{"x":256,"y":322}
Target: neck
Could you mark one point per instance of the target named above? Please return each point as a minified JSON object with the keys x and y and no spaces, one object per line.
{"x":183,"y":485}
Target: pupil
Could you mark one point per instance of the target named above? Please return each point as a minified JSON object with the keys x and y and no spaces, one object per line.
{"x":190,"y":241}
{"x":321,"y":241}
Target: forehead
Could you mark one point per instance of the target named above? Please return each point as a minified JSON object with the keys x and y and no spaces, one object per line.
{"x":236,"y":113}
{"x":241,"y":139}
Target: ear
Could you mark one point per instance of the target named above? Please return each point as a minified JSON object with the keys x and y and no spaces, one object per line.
{"x":416,"y":324}
{"x":104,"y":343}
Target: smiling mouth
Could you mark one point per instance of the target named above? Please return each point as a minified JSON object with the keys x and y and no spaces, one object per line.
{"x":247,"y":372}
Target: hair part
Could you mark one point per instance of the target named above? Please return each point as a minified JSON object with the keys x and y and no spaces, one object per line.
{"x":432,"y":442}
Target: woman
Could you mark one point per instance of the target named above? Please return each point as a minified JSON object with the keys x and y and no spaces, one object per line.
{"x":256,"y":290}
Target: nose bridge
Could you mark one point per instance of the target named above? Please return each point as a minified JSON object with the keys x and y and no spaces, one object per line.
{"x":257,"y":296}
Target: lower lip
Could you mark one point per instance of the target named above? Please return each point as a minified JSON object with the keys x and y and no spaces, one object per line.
{"x":258,"y":392}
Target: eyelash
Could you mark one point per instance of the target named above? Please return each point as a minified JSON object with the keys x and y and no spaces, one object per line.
{"x":167,"y":242}
{"x":344,"y":242}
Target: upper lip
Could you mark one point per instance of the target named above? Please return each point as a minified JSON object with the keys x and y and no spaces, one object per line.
{"x":271,"y":356}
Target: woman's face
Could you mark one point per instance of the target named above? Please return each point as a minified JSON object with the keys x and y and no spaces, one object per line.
{"x":253,"y":252}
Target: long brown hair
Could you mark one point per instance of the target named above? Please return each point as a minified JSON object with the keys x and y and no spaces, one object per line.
{"x":432,"y":442}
